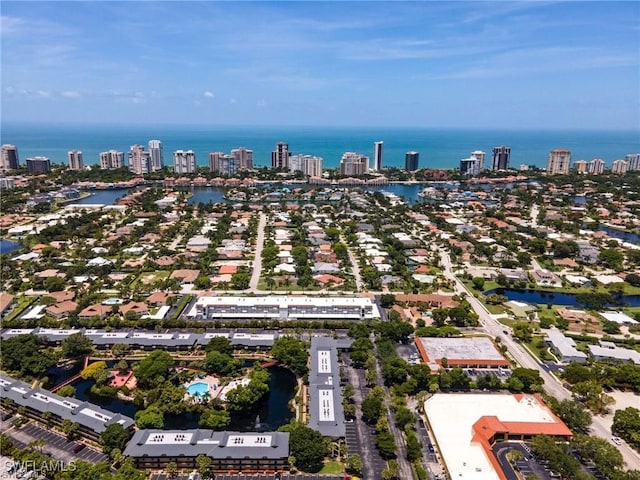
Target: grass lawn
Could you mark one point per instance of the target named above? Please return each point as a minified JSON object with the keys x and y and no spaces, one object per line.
{"x":20,"y":305}
{"x":331,"y":468}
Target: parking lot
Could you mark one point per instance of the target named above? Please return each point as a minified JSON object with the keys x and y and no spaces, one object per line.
{"x":56,"y":445}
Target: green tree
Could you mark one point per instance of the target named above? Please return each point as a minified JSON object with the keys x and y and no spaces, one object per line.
{"x":354,"y":464}
{"x":221,"y":363}
{"x":240,"y":280}
{"x":203,"y":464}
{"x":214,"y":419}
{"x":478,"y":283}
{"x":292,"y":353}
{"x":154,"y":368}
{"x":305,"y":445}
{"x":574,"y":415}
{"x":114,"y":436}
{"x":25,"y":354}
{"x":414,"y":447}
{"x":76,"y":345}
{"x":243,"y":398}
{"x":67,"y":391}
{"x":151,"y":417}
{"x":386,"y":445}
{"x":626,"y":424}
{"x":372,"y":408}
{"x":220,"y":344}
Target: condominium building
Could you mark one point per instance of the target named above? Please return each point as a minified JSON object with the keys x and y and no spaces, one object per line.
{"x":227,"y":451}
{"x":411,"y":161}
{"x":38,"y":165}
{"x":596,"y":166}
{"x":310,"y":165}
{"x":501,"y":157}
{"x":139,"y":160}
{"x":473,"y":165}
{"x":184,"y":162}
{"x":75,"y":160}
{"x":326,"y":414}
{"x":10,"y":160}
{"x":244,"y":158}
{"x":111,"y":160}
{"x":278,"y":307}
{"x":155,"y":151}
{"x":580,"y":166}
{"x":222,"y":163}
{"x":620,"y":167}
{"x":280,"y":156}
{"x":634,"y":161}
{"x":353,"y":163}
{"x":558,"y":161}
{"x":39,"y":404}
{"x":377,"y":156}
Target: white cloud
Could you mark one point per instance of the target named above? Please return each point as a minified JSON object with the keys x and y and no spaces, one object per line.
{"x":208,"y":94}
{"x":70,"y":94}
{"x":9,"y":25}
{"x":233,"y":101}
{"x":261,"y":103}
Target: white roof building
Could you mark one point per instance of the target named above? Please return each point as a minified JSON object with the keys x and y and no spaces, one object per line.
{"x":564,"y":347}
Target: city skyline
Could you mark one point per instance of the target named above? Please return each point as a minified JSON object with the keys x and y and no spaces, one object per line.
{"x":518,"y":65}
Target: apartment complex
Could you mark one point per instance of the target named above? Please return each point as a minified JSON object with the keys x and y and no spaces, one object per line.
{"x":501,"y":156}
{"x":222,"y":163}
{"x":474,"y":164}
{"x":619,"y":167}
{"x":139,"y":160}
{"x":596,"y":166}
{"x":38,"y":165}
{"x":75,"y":160}
{"x":310,"y":165}
{"x":411,"y":161}
{"x":634,"y":161}
{"x":243,"y":157}
{"x":40,"y":403}
{"x":280,"y":307}
{"x":10,"y":159}
{"x":155,"y":152}
{"x":280,"y":156}
{"x":184,"y":162}
{"x":353,"y":163}
{"x":325,"y":396}
{"x":228,"y":451}
{"x":377,"y":156}
{"x":111,"y":160}
{"x":580,"y":166}
{"x":559,"y":161}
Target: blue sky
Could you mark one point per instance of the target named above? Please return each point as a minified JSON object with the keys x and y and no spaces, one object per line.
{"x":432,"y":64}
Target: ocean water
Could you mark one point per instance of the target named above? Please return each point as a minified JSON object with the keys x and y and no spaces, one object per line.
{"x":438,"y":148}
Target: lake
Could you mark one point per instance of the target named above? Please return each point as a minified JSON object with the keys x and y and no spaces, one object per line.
{"x":7,"y":247}
{"x":554,"y":298}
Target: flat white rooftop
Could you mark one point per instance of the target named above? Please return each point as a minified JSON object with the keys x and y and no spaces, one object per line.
{"x":472,"y":349}
{"x":452,"y":417}
{"x":618,"y":317}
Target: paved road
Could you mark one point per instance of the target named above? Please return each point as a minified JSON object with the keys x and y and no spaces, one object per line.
{"x":257,"y":259}
{"x":355,"y":266}
{"x":551,"y":384}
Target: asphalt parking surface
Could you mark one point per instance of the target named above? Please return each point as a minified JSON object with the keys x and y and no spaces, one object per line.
{"x":56,"y":443}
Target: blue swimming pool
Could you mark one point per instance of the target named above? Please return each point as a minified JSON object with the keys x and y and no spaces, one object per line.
{"x":197,"y":389}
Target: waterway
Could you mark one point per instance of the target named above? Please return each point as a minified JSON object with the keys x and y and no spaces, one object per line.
{"x":103,"y":197}
{"x":623,"y":235}
{"x":556,"y":298}
{"x":7,"y":247}
{"x":272,"y":410}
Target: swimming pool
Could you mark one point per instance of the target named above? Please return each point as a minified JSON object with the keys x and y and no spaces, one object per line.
{"x":197,"y":389}
{"x":113,"y":301}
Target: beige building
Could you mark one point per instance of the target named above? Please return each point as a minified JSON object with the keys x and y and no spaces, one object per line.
{"x":10,"y":160}
{"x":559,"y":161}
{"x":596,"y":166}
{"x":353,"y":163}
{"x":75,"y":160}
{"x":243,"y":157}
{"x":580,"y":166}
{"x":111,"y":160}
{"x":620,"y":167}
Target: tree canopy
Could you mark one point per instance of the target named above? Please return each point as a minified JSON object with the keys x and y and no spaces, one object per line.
{"x":291,"y":352}
{"x":154,"y":368}
{"x":305,"y":445}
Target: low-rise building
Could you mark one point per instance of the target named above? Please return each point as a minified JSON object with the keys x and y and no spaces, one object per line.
{"x":325,"y":406}
{"x":39,"y":404}
{"x":564,"y":347}
{"x":469,"y":352}
{"x":228,"y":451}
{"x":610,"y":352}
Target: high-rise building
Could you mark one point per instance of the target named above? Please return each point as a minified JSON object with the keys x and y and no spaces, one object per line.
{"x":353,"y":163}
{"x":10,"y":160}
{"x":223,"y":164}
{"x":619,"y":167}
{"x":411,"y":161}
{"x":111,"y":160}
{"x":139,"y":160}
{"x":157,"y":158}
{"x":75,"y":160}
{"x":377,"y":156}
{"x":307,"y":164}
{"x":38,"y":165}
{"x":280,"y":156}
{"x":559,"y":161}
{"x":244,"y":158}
{"x":473,"y":165}
{"x":596,"y":166}
{"x":184,"y":162}
{"x":634,"y":161}
{"x":580,"y":166}
{"x":501,"y":158}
